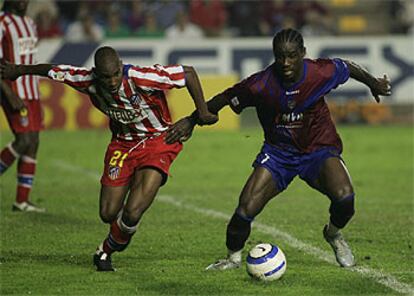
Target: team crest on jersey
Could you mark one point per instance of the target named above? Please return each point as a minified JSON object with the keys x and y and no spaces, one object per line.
{"x":113,"y":172}
{"x":135,"y":99}
{"x":291,"y":104}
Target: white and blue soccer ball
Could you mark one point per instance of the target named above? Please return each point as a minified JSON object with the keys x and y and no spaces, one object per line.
{"x":266,"y":262}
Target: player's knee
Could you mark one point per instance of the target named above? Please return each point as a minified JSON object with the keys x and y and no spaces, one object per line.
{"x":131,"y":216}
{"x":108,"y":216}
{"x":22,"y":143}
{"x":342,"y":210}
{"x":33,"y":141}
{"x":341,"y":193}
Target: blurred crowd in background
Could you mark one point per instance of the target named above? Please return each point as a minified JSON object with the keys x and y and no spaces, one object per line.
{"x":85,"y":21}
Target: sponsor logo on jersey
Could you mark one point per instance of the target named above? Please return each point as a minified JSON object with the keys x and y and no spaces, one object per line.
{"x":113,"y":172}
{"x":291,"y":117}
{"x":293,"y":92}
{"x":27,"y":45}
{"x":127,"y":116}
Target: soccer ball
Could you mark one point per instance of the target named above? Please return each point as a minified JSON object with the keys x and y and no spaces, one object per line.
{"x":266,"y":262}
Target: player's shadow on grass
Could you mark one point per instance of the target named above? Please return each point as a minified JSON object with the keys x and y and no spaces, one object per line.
{"x":35,"y":258}
{"x":46,"y":219}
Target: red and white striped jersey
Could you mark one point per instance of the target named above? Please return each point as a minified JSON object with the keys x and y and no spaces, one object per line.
{"x":139,"y":109}
{"x":18,"y":39}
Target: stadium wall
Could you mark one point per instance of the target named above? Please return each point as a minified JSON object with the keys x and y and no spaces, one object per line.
{"x":221,"y":62}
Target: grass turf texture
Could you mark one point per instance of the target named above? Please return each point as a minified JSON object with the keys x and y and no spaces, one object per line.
{"x":45,"y":254}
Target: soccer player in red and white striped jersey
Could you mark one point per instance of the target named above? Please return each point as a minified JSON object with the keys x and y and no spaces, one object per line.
{"x":18,"y":39}
{"x":137,"y":160}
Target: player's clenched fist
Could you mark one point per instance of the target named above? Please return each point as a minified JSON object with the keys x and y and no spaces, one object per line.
{"x":9,"y":71}
{"x":207,"y":119}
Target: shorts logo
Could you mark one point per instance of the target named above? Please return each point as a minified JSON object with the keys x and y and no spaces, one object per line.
{"x":266,"y":158}
{"x":24,"y":119}
{"x":114,"y":172}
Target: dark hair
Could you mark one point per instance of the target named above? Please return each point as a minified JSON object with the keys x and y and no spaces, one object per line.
{"x":6,"y":5}
{"x":288,"y":35}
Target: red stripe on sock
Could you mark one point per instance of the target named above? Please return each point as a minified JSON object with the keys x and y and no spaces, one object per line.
{"x":24,"y":168}
{"x":118,"y":235}
{"x":106,"y":248}
{"x":7,"y":157}
{"x":22,"y":193}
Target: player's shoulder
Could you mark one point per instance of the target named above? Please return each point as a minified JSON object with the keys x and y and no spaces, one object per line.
{"x":4,"y":17}
{"x":320,"y":62}
{"x":29,"y":20}
{"x":260,"y":75}
{"x":157,"y":69}
{"x":321,"y":66}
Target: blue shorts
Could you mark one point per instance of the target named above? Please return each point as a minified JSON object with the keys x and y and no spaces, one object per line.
{"x":286,"y":165}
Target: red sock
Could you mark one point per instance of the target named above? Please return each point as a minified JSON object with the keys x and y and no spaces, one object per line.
{"x":25,"y":174}
{"x":117,"y":239}
{"x":7,"y":156}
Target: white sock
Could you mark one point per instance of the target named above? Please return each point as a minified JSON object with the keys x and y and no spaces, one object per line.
{"x":99,"y":249}
{"x":235,"y":256}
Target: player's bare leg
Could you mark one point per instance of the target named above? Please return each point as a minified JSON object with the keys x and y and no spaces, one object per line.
{"x":258,"y":190}
{"x":110,"y":204}
{"x":143,"y":189}
{"x":335,"y":182}
{"x":24,"y":149}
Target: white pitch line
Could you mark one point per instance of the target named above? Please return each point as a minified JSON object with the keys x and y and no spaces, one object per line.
{"x":378,"y":276}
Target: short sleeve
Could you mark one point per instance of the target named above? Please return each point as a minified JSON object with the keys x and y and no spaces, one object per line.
{"x":240,"y":95}
{"x":1,"y":37}
{"x":341,"y":74}
{"x":158,"y":77}
{"x":77,"y":77}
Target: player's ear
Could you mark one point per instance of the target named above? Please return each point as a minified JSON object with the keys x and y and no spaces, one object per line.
{"x":303,"y":52}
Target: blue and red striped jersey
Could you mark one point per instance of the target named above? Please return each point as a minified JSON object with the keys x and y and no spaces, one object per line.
{"x":295,"y":118}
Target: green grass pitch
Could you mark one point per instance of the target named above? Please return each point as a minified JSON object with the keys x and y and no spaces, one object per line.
{"x":184,"y":230}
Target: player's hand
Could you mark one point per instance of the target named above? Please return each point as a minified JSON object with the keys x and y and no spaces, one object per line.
{"x":180,"y":131}
{"x":15,"y":102}
{"x":207,"y":118}
{"x":9,"y":71}
{"x":381,"y":87}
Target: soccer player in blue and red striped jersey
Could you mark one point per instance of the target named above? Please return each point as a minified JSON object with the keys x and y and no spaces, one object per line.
{"x":137,"y":159}
{"x":300,"y":138}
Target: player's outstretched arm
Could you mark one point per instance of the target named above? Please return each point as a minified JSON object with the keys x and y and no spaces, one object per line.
{"x":12,"y":71}
{"x":194,"y":88}
{"x":380,"y":86}
{"x":183,"y":128}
